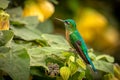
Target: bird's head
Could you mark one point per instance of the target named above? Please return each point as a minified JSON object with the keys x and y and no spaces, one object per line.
{"x":69,"y":24}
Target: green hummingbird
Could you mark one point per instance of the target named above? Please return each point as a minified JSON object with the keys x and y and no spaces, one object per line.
{"x":76,"y":41}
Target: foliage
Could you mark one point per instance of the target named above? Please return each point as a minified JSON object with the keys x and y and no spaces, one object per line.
{"x":4,"y":4}
{"x":26,"y":52}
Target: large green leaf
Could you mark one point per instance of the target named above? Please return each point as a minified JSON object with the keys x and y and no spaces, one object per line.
{"x":28,"y":22}
{"x":105,"y":57}
{"x":23,"y":33}
{"x":26,"y":34}
{"x":4,"y":4}
{"x":45,"y":27}
{"x":39,"y":55}
{"x":31,"y":21}
{"x":15,"y":63}
{"x":56,"y":41}
{"x":14,"y":12}
{"x":5,"y":37}
{"x":103,"y":66}
{"x":25,"y":28}
{"x":25,"y":44}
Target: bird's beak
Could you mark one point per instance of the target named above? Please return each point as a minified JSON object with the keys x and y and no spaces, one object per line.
{"x":59,"y":19}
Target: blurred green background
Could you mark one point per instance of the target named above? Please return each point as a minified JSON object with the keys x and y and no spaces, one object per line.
{"x":98,"y":21}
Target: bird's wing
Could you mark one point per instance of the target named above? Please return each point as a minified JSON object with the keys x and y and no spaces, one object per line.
{"x":76,"y":43}
{"x":81,"y":50}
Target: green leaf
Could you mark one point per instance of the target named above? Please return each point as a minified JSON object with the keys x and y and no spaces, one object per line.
{"x":18,"y":23}
{"x":26,"y":34}
{"x":91,"y":54}
{"x":29,"y":23}
{"x":103,"y":66}
{"x":117,"y":70}
{"x":56,"y":41}
{"x":39,"y":55}
{"x":25,"y":44}
{"x":6,"y":37}
{"x":15,"y":12}
{"x":45,"y":27}
{"x":73,"y":68}
{"x":37,"y":71}
{"x":4,"y":49}
{"x":81,"y":63}
{"x":88,"y":73}
{"x":15,"y":63}
{"x":78,"y":76}
{"x":105,"y":57}
{"x":82,"y":75}
{"x":4,"y":4}
{"x":65,"y":72}
{"x":109,"y":77}
{"x":25,"y":29}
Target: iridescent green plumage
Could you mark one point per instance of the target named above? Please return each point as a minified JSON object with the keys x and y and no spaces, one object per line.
{"x":76,"y":40}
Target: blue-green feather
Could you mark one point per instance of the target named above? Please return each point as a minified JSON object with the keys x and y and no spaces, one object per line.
{"x":75,"y":37}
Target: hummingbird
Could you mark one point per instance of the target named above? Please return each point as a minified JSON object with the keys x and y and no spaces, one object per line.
{"x":76,"y":41}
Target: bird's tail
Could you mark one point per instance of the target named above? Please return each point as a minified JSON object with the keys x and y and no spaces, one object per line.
{"x":91,"y":63}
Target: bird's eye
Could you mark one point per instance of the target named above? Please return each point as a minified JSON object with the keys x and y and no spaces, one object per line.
{"x":67,"y":22}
